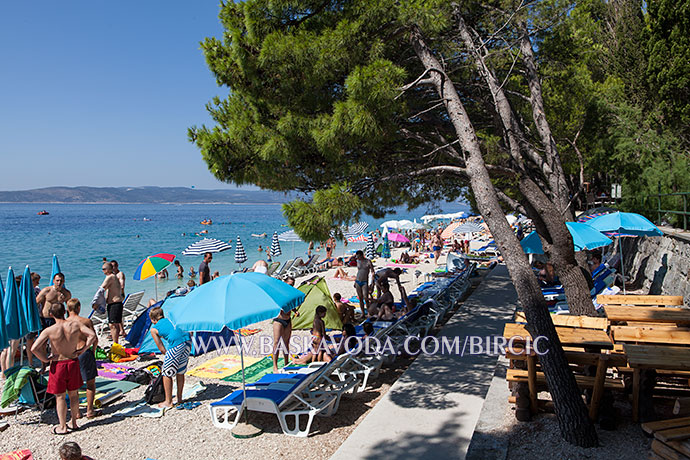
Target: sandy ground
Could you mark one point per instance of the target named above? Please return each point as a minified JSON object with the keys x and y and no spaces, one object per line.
{"x":190,"y":433}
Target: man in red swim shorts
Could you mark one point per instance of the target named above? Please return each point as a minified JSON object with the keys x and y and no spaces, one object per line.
{"x":68,"y":339}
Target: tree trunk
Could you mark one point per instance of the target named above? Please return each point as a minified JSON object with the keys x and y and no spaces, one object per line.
{"x":571,"y":412}
{"x":558,"y":246}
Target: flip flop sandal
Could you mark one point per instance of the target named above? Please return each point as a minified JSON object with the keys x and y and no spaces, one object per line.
{"x":55,"y":432}
{"x":96,"y":413}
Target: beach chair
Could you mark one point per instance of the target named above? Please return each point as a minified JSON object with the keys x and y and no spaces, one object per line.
{"x":132,"y":307}
{"x":291,"y":397}
{"x":299,"y":270}
{"x":282,"y":273}
{"x":272,"y":268}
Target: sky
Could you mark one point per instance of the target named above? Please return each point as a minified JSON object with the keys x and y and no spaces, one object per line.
{"x":101,"y":93}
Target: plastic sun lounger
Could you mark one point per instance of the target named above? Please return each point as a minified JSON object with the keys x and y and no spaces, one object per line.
{"x":132,"y":306}
{"x":272,"y":268}
{"x":281,"y":274}
{"x":297,"y":270}
{"x":294,"y":396}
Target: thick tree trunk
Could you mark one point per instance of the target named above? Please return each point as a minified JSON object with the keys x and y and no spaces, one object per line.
{"x":570,"y":409}
{"x":558,"y":246}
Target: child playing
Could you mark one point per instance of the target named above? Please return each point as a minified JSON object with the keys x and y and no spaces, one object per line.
{"x":176,"y":356}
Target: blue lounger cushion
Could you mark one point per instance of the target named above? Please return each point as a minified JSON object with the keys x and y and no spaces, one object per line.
{"x":235,"y":398}
{"x":272,"y":378}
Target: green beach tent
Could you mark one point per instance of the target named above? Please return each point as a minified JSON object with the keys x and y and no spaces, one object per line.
{"x":316,"y":293}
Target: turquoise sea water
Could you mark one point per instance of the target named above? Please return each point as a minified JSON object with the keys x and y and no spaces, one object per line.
{"x":82,"y":234}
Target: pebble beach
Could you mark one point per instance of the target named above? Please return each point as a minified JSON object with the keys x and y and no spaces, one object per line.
{"x":190,"y":433}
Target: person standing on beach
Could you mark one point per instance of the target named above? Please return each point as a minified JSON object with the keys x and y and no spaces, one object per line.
{"x":113,"y":300}
{"x":364,"y":267}
{"x":68,"y":340}
{"x":55,"y":294}
{"x":204,"y":270}
{"x":121,"y":278}
{"x":87,"y":360}
{"x":437,"y":246}
{"x":176,"y":355}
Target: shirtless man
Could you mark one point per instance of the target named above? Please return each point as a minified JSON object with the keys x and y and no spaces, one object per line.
{"x":113,"y":300}
{"x":68,"y":339}
{"x":345,"y":310}
{"x":121,"y":278}
{"x":87,"y":360}
{"x":364,"y":266}
{"x":51,"y":295}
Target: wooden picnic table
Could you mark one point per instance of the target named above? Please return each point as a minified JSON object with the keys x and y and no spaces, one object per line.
{"x":648,"y":314}
{"x":569,"y":336}
{"x":653,"y":357}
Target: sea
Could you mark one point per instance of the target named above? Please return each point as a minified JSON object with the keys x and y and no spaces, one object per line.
{"x":82,"y":234}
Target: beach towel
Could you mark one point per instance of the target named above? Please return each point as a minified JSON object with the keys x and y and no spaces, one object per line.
{"x":247,"y":332}
{"x":15,"y":379}
{"x":252,"y":373}
{"x":18,"y":455}
{"x":190,"y":391}
{"x":140,"y":409}
{"x":402,"y":265}
{"x":114,"y":371}
{"x":222,"y":366}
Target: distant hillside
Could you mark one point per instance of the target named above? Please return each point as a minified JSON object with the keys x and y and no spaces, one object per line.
{"x":141,"y":195}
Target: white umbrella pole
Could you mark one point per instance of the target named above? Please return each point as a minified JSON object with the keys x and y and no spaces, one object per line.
{"x":244,"y":430}
{"x":155,"y":284}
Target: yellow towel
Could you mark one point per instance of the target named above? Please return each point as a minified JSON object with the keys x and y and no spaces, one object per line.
{"x":222,"y":366}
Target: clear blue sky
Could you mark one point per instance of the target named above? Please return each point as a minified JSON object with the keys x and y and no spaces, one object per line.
{"x":102,"y":93}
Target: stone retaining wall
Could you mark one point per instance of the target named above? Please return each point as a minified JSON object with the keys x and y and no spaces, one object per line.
{"x":659,"y":265}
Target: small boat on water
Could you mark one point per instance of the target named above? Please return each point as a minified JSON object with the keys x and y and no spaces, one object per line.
{"x":43,"y":213}
{"x":206,"y":222}
{"x":259,"y":235}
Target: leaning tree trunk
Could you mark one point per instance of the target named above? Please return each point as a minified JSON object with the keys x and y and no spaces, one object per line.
{"x":558,"y":246}
{"x":570,"y":410}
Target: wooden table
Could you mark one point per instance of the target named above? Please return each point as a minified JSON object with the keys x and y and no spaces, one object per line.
{"x":569,"y":336}
{"x":653,"y":357}
{"x":648,"y":314}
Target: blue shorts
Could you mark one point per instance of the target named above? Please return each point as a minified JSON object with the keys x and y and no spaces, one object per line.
{"x":360,"y":283}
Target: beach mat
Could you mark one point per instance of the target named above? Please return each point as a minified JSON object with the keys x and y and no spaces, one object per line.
{"x":114,"y":371}
{"x":105,"y":386}
{"x":252,"y":373}
{"x":222,"y":366}
{"x":190,"y":392}
{"x":140,"y":409}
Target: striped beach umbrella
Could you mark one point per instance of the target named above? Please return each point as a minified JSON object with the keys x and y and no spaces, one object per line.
{"x":369,"y":250}
{"x":152,"y":265}
{"x":275,"y":246}
{"x":240,"y":255}
{"x":204,"y":246}
{"x":359,"y":239}
{"x":355,"y":230}
{"x":289,"y":235}
{"x":468,"y":227}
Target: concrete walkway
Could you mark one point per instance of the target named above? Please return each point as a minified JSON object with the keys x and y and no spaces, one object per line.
{"x":432,"y":410}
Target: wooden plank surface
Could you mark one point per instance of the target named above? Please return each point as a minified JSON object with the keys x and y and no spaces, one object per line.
{"x":586,"y":322}
{"x":673,"y":434}
{"x":667,"y":452}
{"x":571,"y":336}
{"x":640,"y":299}
{"x":651,"y":427}
{"x":583,"y":381}
{"x":648,"y":314}
{"x":661,"y":336}
{"x":657,"y":357}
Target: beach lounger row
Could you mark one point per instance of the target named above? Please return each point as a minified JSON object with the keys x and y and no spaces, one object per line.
{"x":298,"y":394}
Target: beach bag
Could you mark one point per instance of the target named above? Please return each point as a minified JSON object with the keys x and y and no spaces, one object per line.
{"x":140,"y":376}
{"x":155,"y":393}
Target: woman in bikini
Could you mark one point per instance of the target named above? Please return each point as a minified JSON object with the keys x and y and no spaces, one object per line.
{"x":282,"y":330}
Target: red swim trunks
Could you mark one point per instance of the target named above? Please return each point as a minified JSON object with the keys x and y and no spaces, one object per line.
{"x":64,"y":376}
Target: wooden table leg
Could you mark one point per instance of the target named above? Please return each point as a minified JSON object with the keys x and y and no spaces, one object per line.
{"x":636,"y":395}
{"x":532,"y":382}
{"x":598,"y":389}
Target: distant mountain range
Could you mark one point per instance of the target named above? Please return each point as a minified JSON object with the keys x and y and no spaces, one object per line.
{"x":141,"y":195}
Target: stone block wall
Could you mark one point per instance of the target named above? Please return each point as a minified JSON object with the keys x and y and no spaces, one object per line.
{"x":659,"y":265}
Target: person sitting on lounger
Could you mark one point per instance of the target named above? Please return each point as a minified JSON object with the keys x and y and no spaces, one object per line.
{"x":368,"y":329}
{"x":345,"y":310}
{"x":348,"y":341}
{"x":385,"y":298}
{"x":319,"y":338}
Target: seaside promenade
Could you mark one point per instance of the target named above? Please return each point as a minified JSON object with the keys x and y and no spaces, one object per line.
{"x":432,"y":410}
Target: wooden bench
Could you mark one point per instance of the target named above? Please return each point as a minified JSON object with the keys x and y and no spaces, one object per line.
{"x":569,"y":336}
{"x":671,"y":438}
{"x":647,"y":315}
{"x":584,"y":322}
{"x":640,"y":300}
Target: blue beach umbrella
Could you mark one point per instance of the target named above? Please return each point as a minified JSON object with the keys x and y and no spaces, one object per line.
{"x":3,"y":332}
{"x":585,"y":237}
{"x":31,"y":322}
{"x":625,"y":224}
{"x":12,"y":308}
{"x":233,"y":301}
{"x":55,"y":270}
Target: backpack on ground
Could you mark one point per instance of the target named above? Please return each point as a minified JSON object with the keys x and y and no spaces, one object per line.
{"x":155,"y":393}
